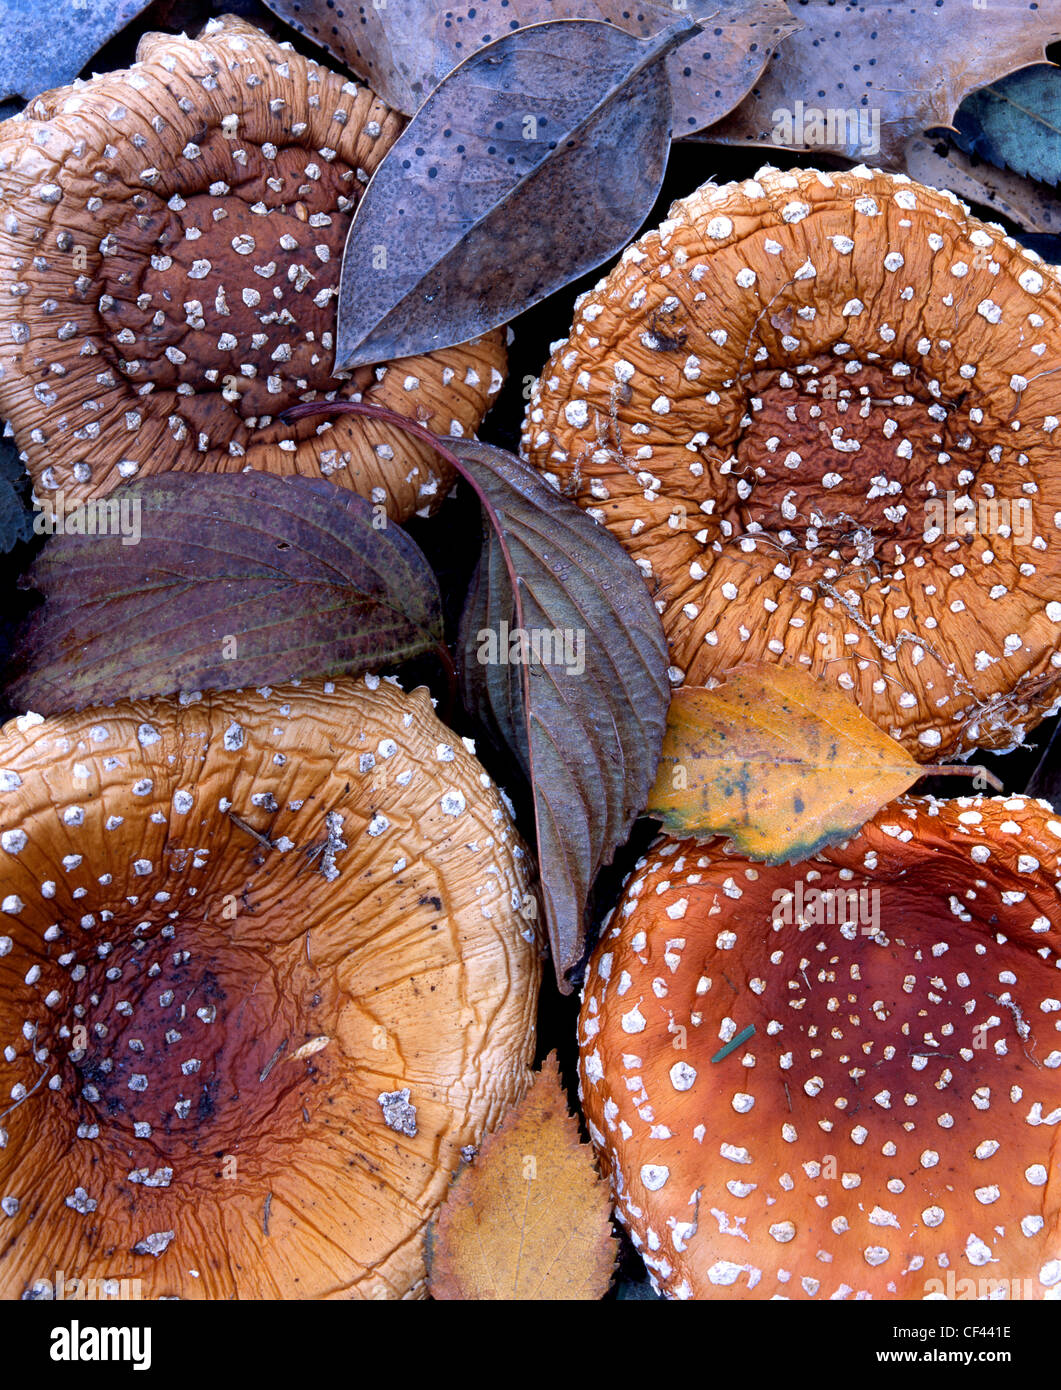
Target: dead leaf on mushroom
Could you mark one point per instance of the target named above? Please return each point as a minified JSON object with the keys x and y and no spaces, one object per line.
{"x":240,"y":579}
{"x":898,"y":68}
{"x":777,"y":759}
{"x":469,"y":220}
{"x":530,"y":1218}
{"x":404,"y":50}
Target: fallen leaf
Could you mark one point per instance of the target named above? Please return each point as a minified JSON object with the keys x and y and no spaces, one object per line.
{"x":1016,"y":123}
{"x":586,"y":718}
{"x":1045,"y":781}
{"x":909,"y":64}
{"x":779,"y":761}
{"x":1027,"y":204}
{"x":493,"y":690}
{"x":16,"y":519}
{"x":242,"y":579}
{"x":530,"y":1218}
{"x":48,"y":42}
{"x":587,"y":724}
{"x":470,"y":218}
{"x":404,"y":50}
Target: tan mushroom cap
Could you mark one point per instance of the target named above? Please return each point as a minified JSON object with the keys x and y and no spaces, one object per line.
{"x":230,"y":1070}
{"x":891,"y":1127}
{"x":783,"y":402}
{"x":171,"y":238}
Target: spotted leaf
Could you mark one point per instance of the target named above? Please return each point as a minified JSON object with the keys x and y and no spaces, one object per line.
{"x":777,"y":759}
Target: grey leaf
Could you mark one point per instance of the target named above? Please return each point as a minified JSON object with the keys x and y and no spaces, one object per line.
{"x":496,"y":194}
{"x":1016,"y":123}
{"x":47,"y":44}
{"x":404,"y":50}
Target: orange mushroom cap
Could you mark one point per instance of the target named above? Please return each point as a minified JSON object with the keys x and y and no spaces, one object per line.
{"x":819,"y":410}
{"x":268,"y":962}
{"x":171,"y":237}
{"x":891,"y":1126}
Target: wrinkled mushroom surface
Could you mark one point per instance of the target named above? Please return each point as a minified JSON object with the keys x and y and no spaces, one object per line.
{"x":790,"y":402}
{"x":268,"y":961}
{"x":171,"y":237}
{"x":894,"y":1116}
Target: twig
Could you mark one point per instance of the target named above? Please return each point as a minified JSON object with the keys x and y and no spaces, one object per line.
{"x":273,"y":1061}
{"x":250,"y":830}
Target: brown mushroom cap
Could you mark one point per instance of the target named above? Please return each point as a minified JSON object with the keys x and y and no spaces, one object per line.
{"x":894,"y":1118}
{"x":772,"y":399}
{"x":171,"y":237}
{"x":295,"y":932}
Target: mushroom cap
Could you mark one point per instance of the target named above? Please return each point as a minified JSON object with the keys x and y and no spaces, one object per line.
{"x":236,"y":1071}
{"x":894,"y":1118}
{"x":785,"y":400}
{"x":167,"y":295}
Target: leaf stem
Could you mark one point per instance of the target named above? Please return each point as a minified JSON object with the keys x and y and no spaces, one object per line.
{"x":308,"y":410}
{"x":962,"y":770}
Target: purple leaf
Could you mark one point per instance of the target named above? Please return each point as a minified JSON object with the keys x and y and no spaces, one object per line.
{"x":241,"y":579}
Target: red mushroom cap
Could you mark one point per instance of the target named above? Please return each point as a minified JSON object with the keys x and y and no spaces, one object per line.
{"x":819,"y":410}
{"x":892,"y":1122}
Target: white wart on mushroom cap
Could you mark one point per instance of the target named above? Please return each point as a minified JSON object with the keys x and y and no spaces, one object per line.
{"x":171,"y":237}
{"x":268,"y":961}
{"x":893,"y":1119}
{"x":819,"y":411}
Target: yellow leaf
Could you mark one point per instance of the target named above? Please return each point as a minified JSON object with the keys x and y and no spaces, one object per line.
{"x":530,"y":1218}
{"x":778,"y":760}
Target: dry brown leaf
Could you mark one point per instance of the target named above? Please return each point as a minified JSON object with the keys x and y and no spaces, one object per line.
{"x":910,"y":63}
{"x":403,"y":50}
{"x":777,"y":759}
{"x":530,"y":1218}
{"x":1023,"y":201}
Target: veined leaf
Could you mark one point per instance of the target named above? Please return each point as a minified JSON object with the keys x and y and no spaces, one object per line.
{"x":241,"y":579}
{"x":1016,"y":123}
{"x":530,"y":1217}
{"x":569,"y":664}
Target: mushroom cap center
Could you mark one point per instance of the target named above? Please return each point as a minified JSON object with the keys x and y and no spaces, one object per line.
{"x":227,"y":295}
{"x":839,"y":463}
{"x":173,"y":1041}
